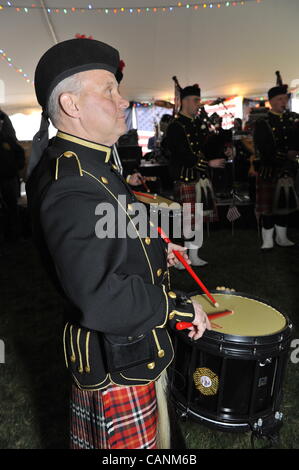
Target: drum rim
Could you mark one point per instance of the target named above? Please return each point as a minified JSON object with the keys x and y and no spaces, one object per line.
{"x":247,"y":339}
{"x":152,"y":202}
{"x":171,"y":212}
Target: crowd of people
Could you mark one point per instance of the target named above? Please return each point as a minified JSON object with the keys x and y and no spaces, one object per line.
{"x":206,"y":161}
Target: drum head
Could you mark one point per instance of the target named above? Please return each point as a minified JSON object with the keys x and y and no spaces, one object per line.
{"x":250,"y":318}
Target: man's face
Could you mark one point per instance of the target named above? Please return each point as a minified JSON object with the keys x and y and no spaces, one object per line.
{"x":101,"y":108}
{"x":191,"y":105}
{"x":279,"y":103}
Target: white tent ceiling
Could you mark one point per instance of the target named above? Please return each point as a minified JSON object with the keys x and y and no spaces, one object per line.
{"x":227,"y":50}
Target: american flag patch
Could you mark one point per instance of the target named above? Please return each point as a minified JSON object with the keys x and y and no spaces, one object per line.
{"x":233,"y":214}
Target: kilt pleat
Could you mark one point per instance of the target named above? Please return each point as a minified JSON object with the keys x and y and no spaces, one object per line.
{"x":186,"y":193}
{"x":114,"y":418}
{"x":265,"y":191}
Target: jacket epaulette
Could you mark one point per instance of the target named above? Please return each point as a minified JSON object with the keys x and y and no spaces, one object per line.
{"x":67,"y":164}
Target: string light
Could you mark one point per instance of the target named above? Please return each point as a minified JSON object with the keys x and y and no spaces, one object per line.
{"x":144,"y":9}
{"x":144,"y":104}
{"x":10,"y":63}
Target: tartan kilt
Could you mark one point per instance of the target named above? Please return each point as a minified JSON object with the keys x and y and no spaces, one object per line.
{"x":116,"y":417}
{"x":213,"y":217}
{"x":186,"y":193}
{"x":265,"y":191}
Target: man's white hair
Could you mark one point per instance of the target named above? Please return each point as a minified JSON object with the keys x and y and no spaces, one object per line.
{"x":72,"y":84}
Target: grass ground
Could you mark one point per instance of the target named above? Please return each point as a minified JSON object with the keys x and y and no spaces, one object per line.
{"x":34,"y":382}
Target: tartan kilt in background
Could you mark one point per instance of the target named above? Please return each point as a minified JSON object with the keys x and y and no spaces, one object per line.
{"x":116,"y":417}
{"x":186,"y":193}
{"x":213,"y":217}
{"x":265,"y":191}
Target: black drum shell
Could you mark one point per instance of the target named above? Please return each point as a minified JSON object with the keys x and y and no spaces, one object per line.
{"x":242,"y":365}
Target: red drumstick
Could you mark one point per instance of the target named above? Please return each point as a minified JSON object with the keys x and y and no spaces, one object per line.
{"x":214,"y":325}
{"x":150,"y":196}
{"x":220,"y":314}
{"x":182,"y":325}
{"x":189,"y":269}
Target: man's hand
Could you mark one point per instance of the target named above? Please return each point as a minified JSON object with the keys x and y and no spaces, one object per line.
{"x":136,"y":179}
{"x":217,"y":163}
{"x":201,"y":322}
{"x":171,"y":258}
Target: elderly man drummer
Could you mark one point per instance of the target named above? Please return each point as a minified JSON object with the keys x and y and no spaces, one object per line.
{"x":118,"y":301}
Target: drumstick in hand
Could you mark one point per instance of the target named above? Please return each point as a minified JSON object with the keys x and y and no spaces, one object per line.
{"x":150,"y":196}
{"x":189,"y":269}
{"x":182,"y":325}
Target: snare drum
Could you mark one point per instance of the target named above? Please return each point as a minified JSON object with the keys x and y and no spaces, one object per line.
{"x":231,"y":379}
{"x":164,"y":212}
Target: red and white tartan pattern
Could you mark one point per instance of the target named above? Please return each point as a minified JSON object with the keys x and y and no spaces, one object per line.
{"x":114,"y":418}
{"x":186,"y":194}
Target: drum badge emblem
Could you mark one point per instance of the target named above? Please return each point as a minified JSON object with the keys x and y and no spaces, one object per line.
{"x":206,"y":381}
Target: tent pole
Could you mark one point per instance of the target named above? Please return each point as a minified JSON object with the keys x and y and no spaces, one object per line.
{"x":50,"y":26}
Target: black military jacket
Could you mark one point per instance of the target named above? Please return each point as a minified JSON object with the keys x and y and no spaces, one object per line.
{"x":186,"y":140}
{"x":274,"y":137}
{"x":118,"y":307}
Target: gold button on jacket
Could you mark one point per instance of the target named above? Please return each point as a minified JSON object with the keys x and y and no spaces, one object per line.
{"x":172,"y":295}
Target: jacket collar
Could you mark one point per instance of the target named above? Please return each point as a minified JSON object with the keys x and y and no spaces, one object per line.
{"x":184,"y":118}
{"x":95,"y":152}
{"x":275,"y":114}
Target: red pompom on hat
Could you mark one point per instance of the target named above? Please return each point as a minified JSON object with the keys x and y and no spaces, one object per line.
{"x":119,"y":73}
